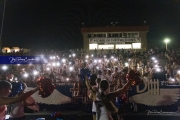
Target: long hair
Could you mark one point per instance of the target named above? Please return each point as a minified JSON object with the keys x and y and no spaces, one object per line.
{"x":104,"y":85}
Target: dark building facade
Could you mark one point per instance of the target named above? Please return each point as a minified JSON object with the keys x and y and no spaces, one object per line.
{"x":114,"y":37}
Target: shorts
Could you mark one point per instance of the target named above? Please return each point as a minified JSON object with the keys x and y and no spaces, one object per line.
{"x":93,"y":113}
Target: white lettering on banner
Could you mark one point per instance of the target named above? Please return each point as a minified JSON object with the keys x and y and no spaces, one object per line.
{"x":114,"y":40}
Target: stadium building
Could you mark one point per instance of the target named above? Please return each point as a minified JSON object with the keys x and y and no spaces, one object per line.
{"x":114,"y":37}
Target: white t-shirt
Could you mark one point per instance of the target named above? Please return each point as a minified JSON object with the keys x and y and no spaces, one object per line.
{"x":93,"y":107}
{"x":104,"y":113}
{"x":109,"y":78}
{"x":91,"y":65}
{"x":17,"y":110}
{"x":103,"y":77}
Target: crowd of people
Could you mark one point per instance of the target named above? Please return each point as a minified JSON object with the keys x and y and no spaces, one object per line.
{"x":72,"y":66}
{"x":69,"y":65}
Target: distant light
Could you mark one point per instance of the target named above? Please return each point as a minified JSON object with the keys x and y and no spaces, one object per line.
{"x":95,"y":61}
{"x":167,"y":40}
{"x":71,"y":68}
{"x":58,"y":64}
{"x":48,"y":69}
{"x":25,"y":75}
{"x":87,"y":56}
{"x":4,"y":67}
{"x":73,"y":55}
{"x":35,"y":72}
{"x":172,"y":79}
{"x":158,"y":69}
{"x":126,"y":64}
{"x":67,"y":79}
{"x":63,"y":60}
{"x":153,"y":58}
{"x":92,"y":55}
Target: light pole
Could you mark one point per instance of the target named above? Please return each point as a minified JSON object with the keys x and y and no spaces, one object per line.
{"x":166,"y":41}
{"x":2,"y":25}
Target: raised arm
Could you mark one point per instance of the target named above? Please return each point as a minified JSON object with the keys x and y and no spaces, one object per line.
{"x":89,"y":87}
{"x":28,"y":104}
{"x":11,"y":100}
{"x":92,"y":94}
{"x":119,"y":91}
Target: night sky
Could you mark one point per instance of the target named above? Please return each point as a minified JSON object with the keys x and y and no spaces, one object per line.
{"x":57,"y":23}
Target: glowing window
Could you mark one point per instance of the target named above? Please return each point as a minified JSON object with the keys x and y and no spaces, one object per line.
{"x":92,"y":46}
{"x":124,"y":46}
{"x":136,"y":45}
{"x":106,"y":46}
{"x":6,"y":49}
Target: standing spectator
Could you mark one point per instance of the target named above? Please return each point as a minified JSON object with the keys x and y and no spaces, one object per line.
{"x":5,"y":90}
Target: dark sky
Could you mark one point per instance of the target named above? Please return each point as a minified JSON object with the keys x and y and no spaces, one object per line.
{"x":57,"y":23}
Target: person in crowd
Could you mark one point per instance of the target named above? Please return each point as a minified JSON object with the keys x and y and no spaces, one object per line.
{"x":141,"y":64}
{"x":177,"y":77}
{"x":84,"y":71}
{"x":175,"y":68}
{"x":166,"y":67}
{"x":104,"y":105}
{"x":5,"y":90}
{"x":147,"y":72}
{"x":120,"y":101}
{"x":96,"y":88}
{"x":103,"y":76}
{"x":109,"y":76}
{"x":17,"y":109}
{"x":115,"y":75}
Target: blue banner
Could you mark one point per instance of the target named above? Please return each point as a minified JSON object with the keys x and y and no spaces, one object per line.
{"x":22,"y":60}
